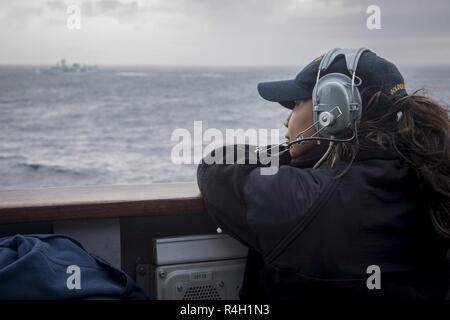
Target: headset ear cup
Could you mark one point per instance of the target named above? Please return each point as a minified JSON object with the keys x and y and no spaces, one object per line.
{"x":335,"y":106}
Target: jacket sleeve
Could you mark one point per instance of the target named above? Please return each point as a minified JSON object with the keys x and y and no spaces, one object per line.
{"x":222,"y":182}
{"x":257,"y":209}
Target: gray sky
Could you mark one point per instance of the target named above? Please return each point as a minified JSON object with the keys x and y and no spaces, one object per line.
{"x":220,"y":32}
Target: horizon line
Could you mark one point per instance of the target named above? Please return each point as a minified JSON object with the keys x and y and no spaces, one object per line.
{"x":238,"y":65}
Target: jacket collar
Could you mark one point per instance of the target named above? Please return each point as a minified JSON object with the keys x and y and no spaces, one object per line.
{"x":309,"y":158}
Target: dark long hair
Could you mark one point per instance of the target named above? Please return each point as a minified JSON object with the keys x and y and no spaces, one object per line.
{"x":418,"y":128}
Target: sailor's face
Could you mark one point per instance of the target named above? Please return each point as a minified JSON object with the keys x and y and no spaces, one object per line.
{"x":299,"y":120}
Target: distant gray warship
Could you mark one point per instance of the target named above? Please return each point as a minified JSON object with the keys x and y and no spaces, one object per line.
{"x":63,"y":67}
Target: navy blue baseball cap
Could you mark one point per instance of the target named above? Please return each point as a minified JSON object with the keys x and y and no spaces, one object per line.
{"x":376,"y":74}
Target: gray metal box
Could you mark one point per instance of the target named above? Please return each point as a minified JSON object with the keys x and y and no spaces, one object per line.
{"x":200,"y":248}
{"x":205,"y":267}
{"x":212,"y":280}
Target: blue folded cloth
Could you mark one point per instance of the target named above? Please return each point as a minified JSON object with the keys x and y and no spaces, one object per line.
{"x":48,"y":266}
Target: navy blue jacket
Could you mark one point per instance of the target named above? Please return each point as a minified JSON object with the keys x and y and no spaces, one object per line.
{"x":312,"y":235}
{"x":35,"y":267}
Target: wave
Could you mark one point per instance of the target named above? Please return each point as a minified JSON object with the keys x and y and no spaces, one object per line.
{"x":12,"y":157}
{"x":49,"y":168}
{"x":213,"y":75}
{"x":8,"y":101}
{"x":132,"y":74}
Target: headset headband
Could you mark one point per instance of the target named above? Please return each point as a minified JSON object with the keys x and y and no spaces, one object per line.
{"x":351,"y":58}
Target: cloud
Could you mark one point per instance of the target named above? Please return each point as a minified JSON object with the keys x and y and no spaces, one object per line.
{"x":56,"y":5}
{"x":92,"y":8}
{"x":22,"y":12}
{"x":110,"y":7}
{"x":220,"y":31}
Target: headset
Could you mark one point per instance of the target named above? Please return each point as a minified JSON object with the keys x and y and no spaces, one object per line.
{"x":337,"y":103}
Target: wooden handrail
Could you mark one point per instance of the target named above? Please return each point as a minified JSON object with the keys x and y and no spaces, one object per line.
{"x":48,"y":204}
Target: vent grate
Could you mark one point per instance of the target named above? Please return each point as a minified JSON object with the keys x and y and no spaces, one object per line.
{"x":206,"y":292}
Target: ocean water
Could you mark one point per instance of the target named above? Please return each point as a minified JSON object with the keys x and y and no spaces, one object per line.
{"x":114,"y":126}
